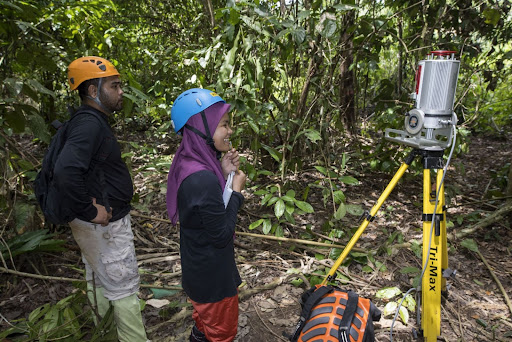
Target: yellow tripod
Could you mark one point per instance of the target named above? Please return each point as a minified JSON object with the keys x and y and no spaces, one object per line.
{"x":435,"y":253}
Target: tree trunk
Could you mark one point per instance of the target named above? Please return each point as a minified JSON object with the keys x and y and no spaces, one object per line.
{"x":509,"y":186}
{"x":208,"y":11}
{"x":347,"y":84}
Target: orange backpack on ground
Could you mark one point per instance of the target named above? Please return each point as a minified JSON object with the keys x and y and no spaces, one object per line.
{"x":330,"y":314}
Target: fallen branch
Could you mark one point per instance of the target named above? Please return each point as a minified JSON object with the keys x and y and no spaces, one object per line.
{"x":498,"y":215}
{"x":184,"y":313}
{"x":168,"y":258}
{"x":498,"y":282}
{"x":134,"y":213}
{"x":43,"y":277}
{"x":265,"y":324}
{"x":304,"y":242}
{"x":268,"y":237}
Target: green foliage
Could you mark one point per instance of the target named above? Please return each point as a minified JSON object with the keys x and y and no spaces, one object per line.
{"x":285,"y":208}
{"x":33,"y":241}
{"x":408,"y":304}
{"x":65,"y":320}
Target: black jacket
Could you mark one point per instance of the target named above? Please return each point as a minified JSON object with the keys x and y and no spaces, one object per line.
{"x":209,"y":272}
{"x":90,"y":165}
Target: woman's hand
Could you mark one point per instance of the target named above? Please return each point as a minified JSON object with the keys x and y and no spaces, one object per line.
{"x":230,"y":162}
{"x":239,"y":181}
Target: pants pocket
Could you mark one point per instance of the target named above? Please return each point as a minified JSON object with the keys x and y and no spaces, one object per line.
{"x":120,"y":265}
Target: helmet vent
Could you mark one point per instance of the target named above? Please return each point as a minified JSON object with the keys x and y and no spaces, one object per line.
{"x":199,"y":102}
{"x":102,"y":67}
{"x":72,"y":80}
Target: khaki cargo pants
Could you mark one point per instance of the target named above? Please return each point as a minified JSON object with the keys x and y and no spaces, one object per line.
{"x":109,"y":255}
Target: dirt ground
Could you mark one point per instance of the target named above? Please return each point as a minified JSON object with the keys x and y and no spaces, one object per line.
{"x":475,"y":309}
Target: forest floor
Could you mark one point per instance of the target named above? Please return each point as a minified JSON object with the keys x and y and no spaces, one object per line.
{"x":475,"y":309}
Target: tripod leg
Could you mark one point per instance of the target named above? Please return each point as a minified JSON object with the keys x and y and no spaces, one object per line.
{"x":444,"y":247}
{"x":332,"y":273}
{"x":434,"y":256}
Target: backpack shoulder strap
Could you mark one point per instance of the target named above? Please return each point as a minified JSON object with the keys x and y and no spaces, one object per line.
{"x":101,"y":157}
{"x":348,"y":316}
{"x":308,"y":305}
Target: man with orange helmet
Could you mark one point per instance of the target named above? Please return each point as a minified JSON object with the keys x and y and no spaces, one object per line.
{"x":98,"y":189}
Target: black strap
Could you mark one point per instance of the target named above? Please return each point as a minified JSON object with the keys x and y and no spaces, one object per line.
{"x":208,"y":138}
{"x":312,"y":300}
{"x":348,"y":316}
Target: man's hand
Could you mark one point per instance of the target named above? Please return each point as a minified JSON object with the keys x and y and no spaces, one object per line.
{"x":102,"y":217}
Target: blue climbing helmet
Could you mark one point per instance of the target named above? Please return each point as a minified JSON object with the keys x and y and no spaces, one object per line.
{"x":189,"y":103}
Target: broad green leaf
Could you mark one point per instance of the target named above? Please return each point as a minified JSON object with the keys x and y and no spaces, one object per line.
{"x":304,"y":14}
{"x":25,"y":165}
{"x":354,"y":209}
{"x":409,"y":303}
{"x":313,"y":135}
{"x":492,"y":16}
{"x":272,"y":201}
{"x":329,"y":28}
{"x":267,"y":226}
{"x":279,"y":208}
{"x":15,"y":120}
{"x":39,"y":128}
{"x":319,"y":256}
{"x":287,"y":198}
{"x":470,"y":244}
{"x":279,"y":231}
{"x":389,"y":309}
{"x":38,"y":312}
{"x":388,"y":292}
{"x":255,"y":224}
{"x":290,"y":208}
{"x":348,"y":180}
{"x":14,"y":85}
{"x":339,"y":196}
{"x":273,"y":152}
{"x":304,"y":206}
{"x":291,"y":193}
{"x":404,"y":315}
{"x":340,"y":212}
{"x":322,"y":170}
{"x":409,"y":270}
{"x":298,"y":35}
{"x":253,"y":126}
{"x":40,"y":88}
{"x":266,"y":199}
{"x":367,"y":269}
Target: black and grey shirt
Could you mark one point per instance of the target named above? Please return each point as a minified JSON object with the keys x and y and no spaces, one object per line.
{"x":209,"y":272}
{"x":90,"y":165}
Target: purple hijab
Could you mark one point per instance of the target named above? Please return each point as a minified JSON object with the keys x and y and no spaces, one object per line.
{"x":194,"y":155}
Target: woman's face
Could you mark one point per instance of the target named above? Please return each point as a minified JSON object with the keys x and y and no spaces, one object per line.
{"x":222,"y":134}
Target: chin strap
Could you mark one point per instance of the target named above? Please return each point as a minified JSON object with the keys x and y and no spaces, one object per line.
{"x":208,"y":138}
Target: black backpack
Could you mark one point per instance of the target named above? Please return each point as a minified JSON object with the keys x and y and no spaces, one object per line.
{"x":51,"y":201}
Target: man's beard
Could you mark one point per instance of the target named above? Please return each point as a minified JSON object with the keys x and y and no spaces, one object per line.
{"x":111,"y":105}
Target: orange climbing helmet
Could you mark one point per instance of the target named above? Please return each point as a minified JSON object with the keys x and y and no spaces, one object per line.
{"x":87,"y":68}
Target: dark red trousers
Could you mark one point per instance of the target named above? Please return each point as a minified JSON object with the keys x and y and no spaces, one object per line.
{"x":218,"y":321}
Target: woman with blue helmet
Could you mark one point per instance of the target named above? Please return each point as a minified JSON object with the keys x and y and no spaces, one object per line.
{"x":195,"y":187}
